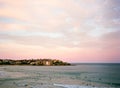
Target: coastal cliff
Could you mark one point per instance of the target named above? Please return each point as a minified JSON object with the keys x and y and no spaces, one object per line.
{"x":37,"y":62}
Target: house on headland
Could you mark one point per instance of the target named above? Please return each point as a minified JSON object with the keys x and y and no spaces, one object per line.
{"x":47,"y":62}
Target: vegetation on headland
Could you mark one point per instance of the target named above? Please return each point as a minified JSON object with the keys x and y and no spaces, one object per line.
{"x":36,"y":62}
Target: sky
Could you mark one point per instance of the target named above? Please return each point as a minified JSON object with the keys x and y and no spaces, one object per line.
{"x":69,"y":30}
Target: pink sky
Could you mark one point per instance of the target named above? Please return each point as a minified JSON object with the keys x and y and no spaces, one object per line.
{"x":69,"y":30}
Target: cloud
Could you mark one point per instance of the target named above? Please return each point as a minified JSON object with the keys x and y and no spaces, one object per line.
{"x":110,"y":14}
{"x":88,"y":25}
{"x":111,"y":40}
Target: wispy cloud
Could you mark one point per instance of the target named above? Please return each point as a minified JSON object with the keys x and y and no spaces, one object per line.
{"x":79,"y":28}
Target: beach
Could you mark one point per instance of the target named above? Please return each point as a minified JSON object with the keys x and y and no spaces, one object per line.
{"x":78,"y":76}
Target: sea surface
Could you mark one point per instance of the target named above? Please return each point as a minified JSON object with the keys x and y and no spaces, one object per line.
{"x":80,"y":75}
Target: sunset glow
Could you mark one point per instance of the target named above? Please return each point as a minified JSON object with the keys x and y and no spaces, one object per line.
{"x":69,"y":30}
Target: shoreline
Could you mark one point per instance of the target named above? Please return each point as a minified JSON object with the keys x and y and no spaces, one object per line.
{"x":78,"y":86}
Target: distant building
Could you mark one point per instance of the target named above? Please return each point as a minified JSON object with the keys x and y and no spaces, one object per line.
{"x":47,"y":62}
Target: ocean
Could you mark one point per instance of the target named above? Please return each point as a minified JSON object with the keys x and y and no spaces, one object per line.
{"x":80,"y":75}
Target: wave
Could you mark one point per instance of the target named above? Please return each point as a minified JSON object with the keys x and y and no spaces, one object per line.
{"x":77,"y":86}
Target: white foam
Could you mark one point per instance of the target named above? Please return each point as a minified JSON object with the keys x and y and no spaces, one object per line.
{"x":76,"y":86}
{"x":71,"y":86}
